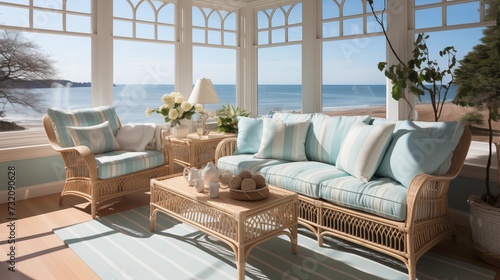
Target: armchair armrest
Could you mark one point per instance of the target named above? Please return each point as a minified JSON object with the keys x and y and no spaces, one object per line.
{"x":167,"y":152}
{"x":225,"y":147}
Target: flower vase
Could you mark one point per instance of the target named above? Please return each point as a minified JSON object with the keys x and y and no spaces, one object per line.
{"x":180,"y":131}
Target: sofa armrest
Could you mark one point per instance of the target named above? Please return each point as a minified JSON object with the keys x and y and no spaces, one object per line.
{"x":225,"y":147}
{"x":427,"y":196}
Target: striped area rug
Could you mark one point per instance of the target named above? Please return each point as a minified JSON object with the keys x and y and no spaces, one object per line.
{"x":120,"y":246}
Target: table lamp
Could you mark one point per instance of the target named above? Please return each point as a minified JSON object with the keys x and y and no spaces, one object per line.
{"x":203,"y":93}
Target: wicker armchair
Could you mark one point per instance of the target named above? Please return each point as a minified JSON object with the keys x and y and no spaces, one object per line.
{"x":84,"y":169}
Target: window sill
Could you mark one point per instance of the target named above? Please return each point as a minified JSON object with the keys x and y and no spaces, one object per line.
{"x":475,"y":163}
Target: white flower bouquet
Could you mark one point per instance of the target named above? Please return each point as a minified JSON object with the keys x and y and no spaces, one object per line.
{"x":175,"y":108}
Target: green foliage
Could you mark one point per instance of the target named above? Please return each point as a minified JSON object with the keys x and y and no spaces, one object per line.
{"x":478,"y":79}
{"x":227,"y":120}
{"x":473,"y":118}
{"x":420,"y":74}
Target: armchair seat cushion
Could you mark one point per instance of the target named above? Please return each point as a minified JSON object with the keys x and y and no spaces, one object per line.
{"x":118,"y":163}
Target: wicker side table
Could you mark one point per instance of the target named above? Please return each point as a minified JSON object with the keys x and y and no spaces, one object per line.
{"x":195,"y":151}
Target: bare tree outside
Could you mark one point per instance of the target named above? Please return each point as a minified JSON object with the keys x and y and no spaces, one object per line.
{"x":22,"y":63}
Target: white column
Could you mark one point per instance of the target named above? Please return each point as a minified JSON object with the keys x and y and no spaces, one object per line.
{"x":246,"y":80}
{"x":184,"y":48}
{"x":398,"y":33}
{"x":102,"y":53}
{"x":311,"y":59}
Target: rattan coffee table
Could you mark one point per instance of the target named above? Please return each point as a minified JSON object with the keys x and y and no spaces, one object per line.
{"x":240,"y":224}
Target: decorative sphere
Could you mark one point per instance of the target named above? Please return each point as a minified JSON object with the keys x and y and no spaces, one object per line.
{"x":235,"y":182}
{"x":260,"y":181}
{"x":245,"y":174}
{"x":248,"y":184}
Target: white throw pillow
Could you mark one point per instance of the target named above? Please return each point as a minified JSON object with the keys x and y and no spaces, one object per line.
{"x":98,"y":138}
{"x":283,"y":140}
{"x":363,"y":149}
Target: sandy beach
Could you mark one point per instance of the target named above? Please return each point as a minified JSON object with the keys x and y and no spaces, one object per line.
{"x":451,"y":112}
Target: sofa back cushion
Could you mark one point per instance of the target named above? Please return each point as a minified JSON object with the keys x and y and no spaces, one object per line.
{"x":61,"y":119}
{"x":326,"y":135}
{"x":249,"y":135}
{"x":363,"y":148}
{"x":420,"y":147}
{"x":283,"y":140}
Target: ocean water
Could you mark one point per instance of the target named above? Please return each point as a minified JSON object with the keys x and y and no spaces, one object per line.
{"x":131,"y":101}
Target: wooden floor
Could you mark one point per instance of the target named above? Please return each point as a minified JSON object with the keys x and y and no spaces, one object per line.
{"x":40,"y":254}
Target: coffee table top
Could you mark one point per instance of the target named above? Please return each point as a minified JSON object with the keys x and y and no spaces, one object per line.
{"x":224,"y":202}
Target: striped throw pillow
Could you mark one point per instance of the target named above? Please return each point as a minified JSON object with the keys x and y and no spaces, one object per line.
{"x":363,"y":149}
{"x":98,"y":138}
{"x":283,"y":140}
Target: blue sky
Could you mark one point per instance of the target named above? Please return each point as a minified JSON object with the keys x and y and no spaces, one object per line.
{"x":344,"y":62}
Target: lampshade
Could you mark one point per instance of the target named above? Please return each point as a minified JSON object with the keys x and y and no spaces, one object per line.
{"x":203,"y":93}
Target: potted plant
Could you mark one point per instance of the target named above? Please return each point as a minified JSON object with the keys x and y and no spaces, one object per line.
{"x":479,"y":87}
{"x":227,"y":120}
{"x":421,"y":74}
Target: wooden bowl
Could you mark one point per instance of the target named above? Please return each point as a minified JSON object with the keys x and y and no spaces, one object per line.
{"x":253,"y":195}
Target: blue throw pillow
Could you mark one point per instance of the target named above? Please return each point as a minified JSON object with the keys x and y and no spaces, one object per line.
{"x":363,"y":149}
{"x":249,"y":135}
{"x":98,"y":138}
{"x":283,"y":140}
{"x":413,"y":151}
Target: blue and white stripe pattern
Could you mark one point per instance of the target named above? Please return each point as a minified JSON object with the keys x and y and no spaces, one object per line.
{"x":61,"y":119}
{"x":283,"y":140}
{"x":120,"y":246}
{"x":98,"y":138}
{"x":327,"y":133}
{"x":381,"y":196}
{"x":118,"y":163}
{"x":363,"y":148}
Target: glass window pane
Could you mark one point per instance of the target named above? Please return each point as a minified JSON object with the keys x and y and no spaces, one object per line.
{"x":428,"y":18}
{"x":145,"y":31}
{"x":329,"y":9}
{"x":352,"y":8}
{"x":21,"y":2}
{"x":295,"y":34}
{"x":145,"y":12}
{"x":214,"y":21}
{"x":426,"y":2}
{"x":198,"y":17}
{"x":214,"y":37}
{"x":331,"y":29}
{"x":230,"y":22}
{"x":230,"y":39}
{"x":122,"y":28}
{"x":198,"y":35}
{"x":344,"y":62}
{"x":70,"y":58}
{"x":166,"y":33}
{"x":47,"y":20}
{"x":53,"y":4}
{"x":166,"y":14}
{"x":141,"y":78}
{"x":76,"y":23}
{"x":82,"y":6}
{"x":278,"y":35}
{"x":263,"y":37}
{"x":263,"y":20}
{"x":353,"y":26}
{"x":122,"y":9}
{"x":14,"y":16}
{"x":280,"y":79}
{"x":278,"y":18}
{"x":373,"y":26}
{"x":463,"y":13}
{"x":295,"y":15}
{"x":219,"y":65}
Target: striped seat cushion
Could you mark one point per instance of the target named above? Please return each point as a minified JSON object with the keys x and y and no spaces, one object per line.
{"x":301,"y":177}
{"x":118,"y":163}
{"x":381,"y":196}
{"x":237,"y":163}
{"x":61,"y":119}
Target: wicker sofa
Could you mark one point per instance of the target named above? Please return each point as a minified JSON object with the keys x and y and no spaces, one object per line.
{"x":374,"y":182}
{"x":97,"y":167}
